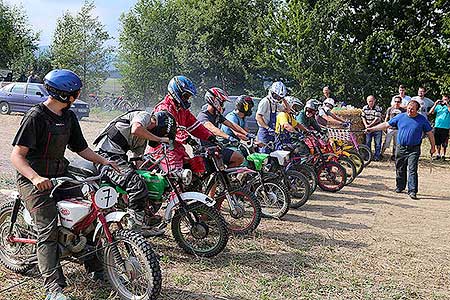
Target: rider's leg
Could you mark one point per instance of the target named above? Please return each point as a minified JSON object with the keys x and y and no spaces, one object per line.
{"x":45,"y":217}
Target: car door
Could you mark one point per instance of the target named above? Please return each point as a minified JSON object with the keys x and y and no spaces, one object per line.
{"x":15,"y":97}
{"x":33,"y":95}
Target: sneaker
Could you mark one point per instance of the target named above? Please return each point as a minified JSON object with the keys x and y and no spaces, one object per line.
{"x":397,"y":190}
{"x":413,"y":196}
{"x":56,"y":296}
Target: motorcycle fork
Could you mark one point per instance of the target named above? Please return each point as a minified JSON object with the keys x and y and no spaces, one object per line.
{"x":14,"y":214}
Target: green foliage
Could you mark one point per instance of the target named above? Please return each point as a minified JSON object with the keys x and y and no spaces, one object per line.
{"x":17,"y":40}
{"x":79,"y":45}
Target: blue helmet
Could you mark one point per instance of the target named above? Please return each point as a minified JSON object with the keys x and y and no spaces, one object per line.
{"x":61,"y":84}
{"x":181,"y":89}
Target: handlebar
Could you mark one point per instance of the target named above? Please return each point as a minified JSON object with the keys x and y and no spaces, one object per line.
{"x":59,"y":181}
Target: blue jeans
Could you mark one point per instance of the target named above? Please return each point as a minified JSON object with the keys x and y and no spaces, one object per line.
{"x":407,"y":158}
{"x":377,"y":136}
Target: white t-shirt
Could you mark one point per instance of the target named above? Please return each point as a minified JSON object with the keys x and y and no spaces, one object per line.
{"x":425,"y":105}
{"x":265,"y":107}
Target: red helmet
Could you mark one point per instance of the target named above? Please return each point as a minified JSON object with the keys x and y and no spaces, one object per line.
{"x":216,"y":97}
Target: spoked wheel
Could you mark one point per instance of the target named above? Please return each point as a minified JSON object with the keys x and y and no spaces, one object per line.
{"x":331,"y":176}
{"x":298,"y":187}
{"x":357,"y":161}
{"x":132,"y":267}
{"x":310,"y":174}
{"x":200,"y":230}
{"x":350,"y":168}
{"x":365,"y":153}
{"x":273,"y":197}
{"x":244,"y":214}
{"x":17,"y":257}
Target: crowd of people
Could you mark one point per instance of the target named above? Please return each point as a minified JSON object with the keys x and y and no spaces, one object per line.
{"x":48,"y":128}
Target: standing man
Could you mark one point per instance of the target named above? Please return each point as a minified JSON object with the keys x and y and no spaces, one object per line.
{"x":371,"y":116}
{"x":266,"y":115}
{"x":402,"y":93}
{"x":326,"y":91}
{"x":424,"y":102}
{"x":33,"y":78}
{"x":411,"y":126}
{"x":391,"y":133}
{"x":45,"y":132}
{"x":441,"y":125}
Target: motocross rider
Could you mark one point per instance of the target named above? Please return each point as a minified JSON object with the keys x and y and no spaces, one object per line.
{"x":286,"y":122}
{"x":176,"y":102}
{"x":38,"y":155}
{"x":212,"y":118}
{"x":307,"y":116}
{"x":243,"y":108}
{"x":326,"y":117}
{"x":131,"y":132}
{"x":267,"y":113}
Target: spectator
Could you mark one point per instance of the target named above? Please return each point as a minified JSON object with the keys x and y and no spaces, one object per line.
{"x":424,"y":102}
{"x":33,"y":78}
{"x":402,"y":93}
{"x":441,"y":125}
{"x":371,"y":116}
{"x":410,"y":126}
{"x":391,"y":133}
{"x":326,"y":93}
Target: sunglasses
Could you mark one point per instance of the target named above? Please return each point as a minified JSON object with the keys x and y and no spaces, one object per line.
{"x":398,"y":101}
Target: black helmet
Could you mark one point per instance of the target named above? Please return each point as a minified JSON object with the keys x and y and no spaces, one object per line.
{"x":166,"y":126}
{"x":244,"y":104}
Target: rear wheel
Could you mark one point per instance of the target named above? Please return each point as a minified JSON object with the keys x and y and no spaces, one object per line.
{"x":246,"y":215}
{"x":349,"y":167}
{"x":273,"y":197}
{"x":132,"y":267}
{"x":331,"y":176}
{"x":357,"y":161}
{"x":17,"y":257}
{"x":206,"y":235}
{"x":5,"y":109}
{"x":298,"y":187}
{"x":365,"y":153}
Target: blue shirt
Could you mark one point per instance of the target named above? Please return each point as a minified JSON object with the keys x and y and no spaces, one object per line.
{"x":233,"y":118}
{"x":410,"y":130}
{"x":442,"y":117}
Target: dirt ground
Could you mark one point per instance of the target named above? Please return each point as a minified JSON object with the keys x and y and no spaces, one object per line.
{"x":364,"y":242}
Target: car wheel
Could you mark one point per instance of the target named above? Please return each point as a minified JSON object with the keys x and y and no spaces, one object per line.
{"x":4,"y":108}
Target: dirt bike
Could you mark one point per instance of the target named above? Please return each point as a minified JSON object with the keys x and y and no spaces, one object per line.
{"x":197,"y":227}
{"x":130,"y":264}
{"x":270,"y":190}
{"x":239,"y":206}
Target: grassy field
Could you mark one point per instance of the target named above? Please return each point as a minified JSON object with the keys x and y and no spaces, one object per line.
{"x":364,"y":242}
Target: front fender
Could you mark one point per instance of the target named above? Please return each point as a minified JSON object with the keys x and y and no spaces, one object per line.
{"x":239,"y":170}
{"x":188,"y":197}
{"x":116,"y":216}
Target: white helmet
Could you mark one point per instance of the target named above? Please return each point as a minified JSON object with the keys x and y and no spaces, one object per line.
{"x":295,"y":104}
{"x":277,"y":91}
{"x":329,"y":101}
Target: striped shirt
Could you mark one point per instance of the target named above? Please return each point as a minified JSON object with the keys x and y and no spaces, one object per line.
{"x":370,"y":114}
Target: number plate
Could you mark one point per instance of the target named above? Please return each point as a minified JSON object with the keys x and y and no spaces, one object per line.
{"x":106,"y":197}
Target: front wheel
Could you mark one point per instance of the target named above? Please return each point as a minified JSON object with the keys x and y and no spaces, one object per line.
{"x":331,"y":176}
{"x":17,"y":257}
{"x":298,"y":187}
{"x":132,"y":267}
{"x":199,"y":229}
{"x":244,"y":214}
{"x":310,"y":174}
{"x":350,"y":168}
{"x":365,"y":153}
{"x":5,"y":109}
{"x":274,"y":197}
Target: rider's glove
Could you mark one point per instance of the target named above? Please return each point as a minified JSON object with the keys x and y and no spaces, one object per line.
{"x":212,"y":139}
{"x":270,"y":130}
{"x":232,"y":139}
{"x":250,"y":136}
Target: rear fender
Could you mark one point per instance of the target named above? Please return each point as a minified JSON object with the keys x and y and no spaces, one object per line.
{"x":188,"y":197}
{"x":115,"y":217}
{"x":239,"y":170}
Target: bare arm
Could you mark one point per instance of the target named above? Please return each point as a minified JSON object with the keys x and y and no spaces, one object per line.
{"x":381,"y":126}
{"x":90,"y":155}
{"x":260,"y":121}
{"x":139,"y":130}
{"x":432,"y":108}
{"x":216,"y":131}
{"x":20,"y":163}
{"x":238,"y":130}
{"x":334,"y":116}
{"x":432,"y":142}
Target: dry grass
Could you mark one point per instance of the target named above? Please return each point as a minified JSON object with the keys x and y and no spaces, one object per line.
{"x":364,"y":242}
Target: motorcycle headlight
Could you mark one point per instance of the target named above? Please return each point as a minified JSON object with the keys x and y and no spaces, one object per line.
{"x":186,"y":176}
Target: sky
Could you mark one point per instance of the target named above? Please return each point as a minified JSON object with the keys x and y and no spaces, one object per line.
{"x":42,"y":14}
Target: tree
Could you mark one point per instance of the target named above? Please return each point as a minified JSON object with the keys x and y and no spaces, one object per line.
{"x":79,"y":45}
{"x":17,"y":40}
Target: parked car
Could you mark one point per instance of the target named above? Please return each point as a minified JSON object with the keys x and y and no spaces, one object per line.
{"x":21,"y":96}
{"x":251,"y":121}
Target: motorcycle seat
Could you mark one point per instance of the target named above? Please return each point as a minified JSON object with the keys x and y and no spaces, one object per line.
{"x":83,"y":168}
